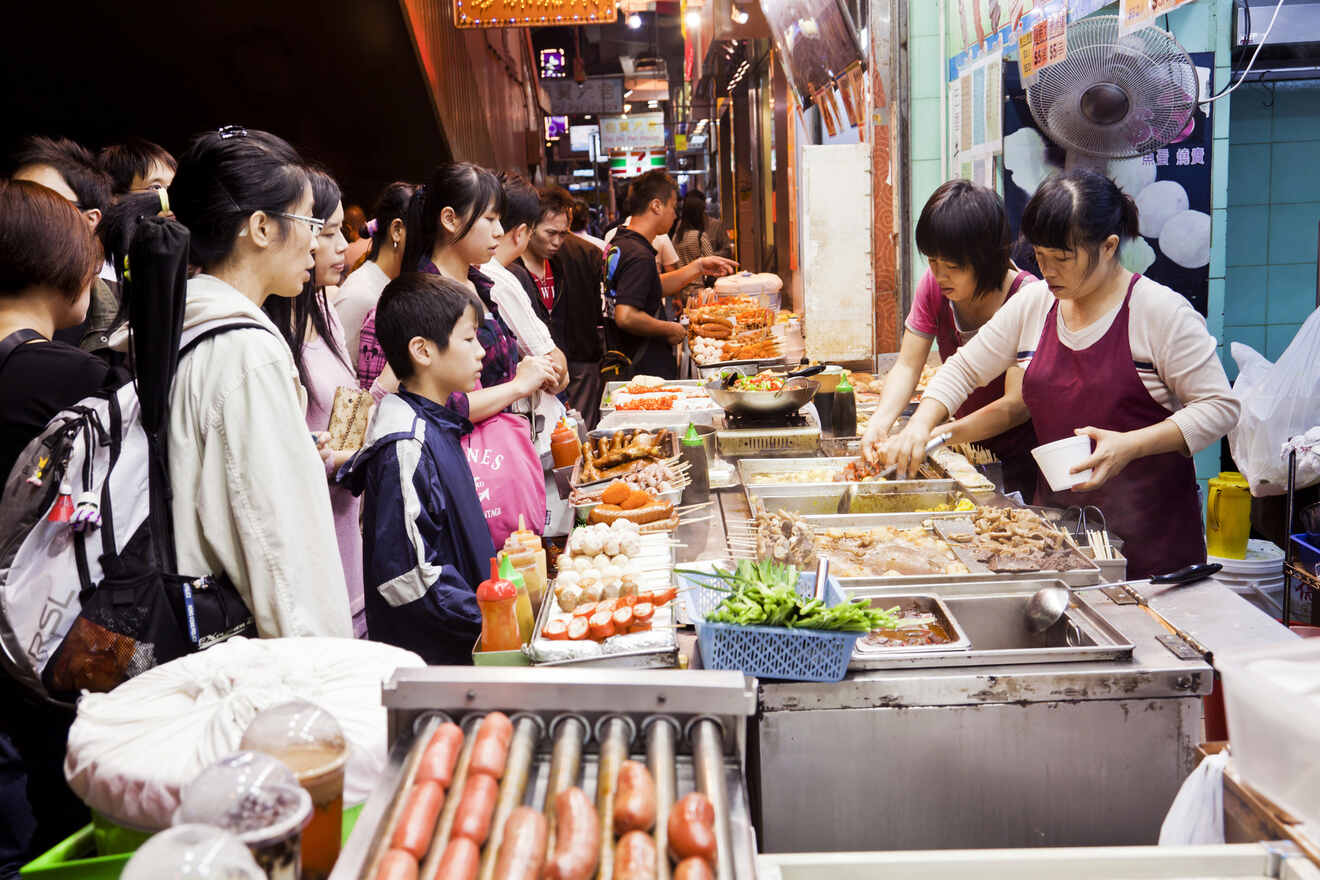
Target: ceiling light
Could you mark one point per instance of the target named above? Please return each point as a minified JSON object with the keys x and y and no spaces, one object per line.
{"x":628,"y":94}
{"x":627,"y":108}
{"x":739,"y":16}
{"x":653,"y":104}
{"x":634,"y":21}
{"x":588,"y":116}
{"x":693,"y":20}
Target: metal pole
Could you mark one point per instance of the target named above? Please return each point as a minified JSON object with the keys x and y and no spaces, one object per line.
{"x":1287,"y":537}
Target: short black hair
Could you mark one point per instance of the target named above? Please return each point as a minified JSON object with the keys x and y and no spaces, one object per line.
{"x":392,"y":205}
{"x":419,"y":304}
{"x":522,"y":203}
{"x":966,"y":224}
{"x":555,"y":200}
{"x":652,"y":185}
{"x":580,"y":217}
{"x":130,"y":158}
{"x":1079,"y":210}
{"x":75,"y":164}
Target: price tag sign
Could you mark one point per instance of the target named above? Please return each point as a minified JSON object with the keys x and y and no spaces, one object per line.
{"x":1045,"y":42}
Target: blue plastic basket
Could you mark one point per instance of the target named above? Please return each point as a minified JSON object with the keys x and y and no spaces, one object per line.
{"x":769,"y":651}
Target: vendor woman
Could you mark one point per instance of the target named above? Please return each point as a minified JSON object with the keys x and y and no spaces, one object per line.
{"x":1109,"y":355}
{"x":963,"y":233}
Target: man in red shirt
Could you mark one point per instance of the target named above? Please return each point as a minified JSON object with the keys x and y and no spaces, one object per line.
{"x":547,"y":238}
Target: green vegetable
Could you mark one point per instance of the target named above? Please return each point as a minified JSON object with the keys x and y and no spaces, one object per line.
{"x":765,"y":594}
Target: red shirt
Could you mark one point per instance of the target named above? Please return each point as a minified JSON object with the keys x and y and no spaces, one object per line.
{"x":545,"y":285}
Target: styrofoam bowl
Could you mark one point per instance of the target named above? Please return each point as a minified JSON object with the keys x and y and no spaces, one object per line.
{"x":1057,"y":458}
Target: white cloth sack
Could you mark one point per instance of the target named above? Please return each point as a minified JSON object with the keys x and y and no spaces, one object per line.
{"x":1279,"y":401}
{"x":1197,"y":815}
{"x":131,"y":750}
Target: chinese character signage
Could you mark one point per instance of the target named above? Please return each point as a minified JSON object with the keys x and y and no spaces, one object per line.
{"x":1134,"y":14}
{"x":1045,"y":42}
{"x":532,"y":13}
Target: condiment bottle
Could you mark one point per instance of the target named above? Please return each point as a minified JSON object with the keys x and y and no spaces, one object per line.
{"x":527,"y":543}
{"x":498,"y":599}
{"x":845,"y":409}
{"x":564,"y":446}
{"x":524,"y":605}
{"x":693,"y":450}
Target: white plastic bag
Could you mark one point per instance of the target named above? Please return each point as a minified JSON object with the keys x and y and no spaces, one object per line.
{"x":1279,"y":401}
{"x":1197,"y":814}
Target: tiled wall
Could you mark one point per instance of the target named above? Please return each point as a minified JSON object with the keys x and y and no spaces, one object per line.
{"x":927,"y":67}
{"x":1274,"y":215}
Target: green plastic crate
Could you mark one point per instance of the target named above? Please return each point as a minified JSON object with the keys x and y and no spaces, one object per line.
{"x":75,"y":857}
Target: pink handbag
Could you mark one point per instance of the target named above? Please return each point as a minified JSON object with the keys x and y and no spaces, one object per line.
{"x":507,"y":473}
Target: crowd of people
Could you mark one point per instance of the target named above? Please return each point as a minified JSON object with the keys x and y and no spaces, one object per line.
{"x":473,"y":307}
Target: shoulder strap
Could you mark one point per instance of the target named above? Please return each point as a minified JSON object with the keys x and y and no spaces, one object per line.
{"x":10,"y":343}
{"x":192,"y":340}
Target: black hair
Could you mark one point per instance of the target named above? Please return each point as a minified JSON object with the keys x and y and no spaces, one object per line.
{"x":293,"y":315}
{"x":226,"y":176}
{"x":522,"y":203}
{"x":652,"y":185}
{"x":580,"y":217}
{"x":555,"y":200}
{"x":966,"y":224}
{"x":693,"y":214}
{"x":468,"y":189}
{"x":132,"y":157}
{"x":1079,"y":210}
{"x":392,"y":205}
{"x":75,"y":164}
{"x":419,"y":304}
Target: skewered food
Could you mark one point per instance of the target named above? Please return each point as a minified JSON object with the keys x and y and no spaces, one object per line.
{"x":785,"y":538}
{"x":1017,"y":539}
{"x":604,"y":457}
{"x":886,"y":552}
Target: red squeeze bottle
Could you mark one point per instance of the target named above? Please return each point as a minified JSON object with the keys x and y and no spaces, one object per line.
{"x":498,"y":601}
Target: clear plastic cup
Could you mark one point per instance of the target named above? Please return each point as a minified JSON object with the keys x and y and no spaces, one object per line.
{"x":1057,"y":458}
{"x":309,"y":740}
{"x":192,"y":852}
{"x":255,"y":798}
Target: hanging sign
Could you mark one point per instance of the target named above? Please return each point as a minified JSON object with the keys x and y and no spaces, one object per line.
{"x":1045,"y":42}
{"x":1135,"y":14}
{"x":632,"y":163}
{"x":532,"y":13}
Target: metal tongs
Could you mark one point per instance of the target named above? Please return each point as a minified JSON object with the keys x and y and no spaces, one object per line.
{"x":850,"y":492}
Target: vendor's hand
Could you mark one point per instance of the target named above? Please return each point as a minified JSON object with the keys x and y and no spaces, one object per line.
{"x":905,"y":450}
{"x":533,"y":373}
{"x":872,"y":437}
{"x":716,"y":266}
{"x":1113,"y":451}
{"x":675,"y":333}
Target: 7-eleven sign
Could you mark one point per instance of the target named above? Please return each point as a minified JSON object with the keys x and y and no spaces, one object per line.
{"x":631,"y":163}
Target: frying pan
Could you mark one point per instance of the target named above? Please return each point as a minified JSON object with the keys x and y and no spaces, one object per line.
{"x":796,"y":393}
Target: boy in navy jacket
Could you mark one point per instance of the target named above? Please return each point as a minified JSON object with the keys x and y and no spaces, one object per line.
{"x":425,"y":542}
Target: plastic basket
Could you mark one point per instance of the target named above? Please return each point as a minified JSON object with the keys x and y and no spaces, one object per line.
{"x":769,"y":651}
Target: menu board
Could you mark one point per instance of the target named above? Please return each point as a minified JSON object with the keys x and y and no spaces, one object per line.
{"x":599,"y":95}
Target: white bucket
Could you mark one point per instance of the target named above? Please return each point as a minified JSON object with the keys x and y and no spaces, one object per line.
{"x":1057,"y":458}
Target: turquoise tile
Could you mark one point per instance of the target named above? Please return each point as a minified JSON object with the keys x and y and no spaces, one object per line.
{"x":1292,"y":293}
{"x":1277,"y":337}
{"x":924,"y":18}
{"x":1192,"y":26}
{"x":1294,"y":232}
{"x":1292,"y":172}
{"x":1221,"y":118}
{"x":1296,"y":111}
{"x":1214,"y":321}
{"x":1219,"y":170}
{"x":925,"y":130}
{"x":925,"y":86}
{"x":1248,"y":174}
{"x":1251,"y":115}
{"x":1245,"y":295}
{"x":1248,"y":235}
{"x":1218,"y":248}
{"x":1253,"y":336}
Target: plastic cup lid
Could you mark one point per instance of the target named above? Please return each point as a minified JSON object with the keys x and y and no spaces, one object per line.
{"x":193,"y":852}
{"x":293,"y":725}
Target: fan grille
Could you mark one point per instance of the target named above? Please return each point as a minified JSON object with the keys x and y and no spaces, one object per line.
{"x":1115,"y":97}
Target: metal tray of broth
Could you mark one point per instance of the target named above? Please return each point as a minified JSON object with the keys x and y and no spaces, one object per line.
{"x":829,"y":499}
{"x":979,"y":573}
{"x":995,"y":621}
{"x":923,"y":603}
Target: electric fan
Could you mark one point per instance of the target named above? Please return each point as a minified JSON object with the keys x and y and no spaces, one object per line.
{"x":1115,"y":96}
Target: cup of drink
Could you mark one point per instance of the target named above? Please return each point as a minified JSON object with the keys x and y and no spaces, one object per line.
{"x":258,"y":800}
{"x":192,"y":852}
{"x":308,"y":740}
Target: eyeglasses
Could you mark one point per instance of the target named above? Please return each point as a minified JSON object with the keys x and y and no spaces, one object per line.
{"x":312,"y":223}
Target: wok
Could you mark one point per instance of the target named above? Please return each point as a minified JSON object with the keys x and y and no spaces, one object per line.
{"x":795,"y":394}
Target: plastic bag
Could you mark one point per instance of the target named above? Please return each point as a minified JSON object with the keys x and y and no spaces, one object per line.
{"x":1279,"y":401}
{"x":1197,"y":814}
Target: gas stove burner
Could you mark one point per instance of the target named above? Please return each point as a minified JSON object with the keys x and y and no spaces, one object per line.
{"x":746,"y":421}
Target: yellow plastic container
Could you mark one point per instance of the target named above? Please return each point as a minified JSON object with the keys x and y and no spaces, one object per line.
{"x":1228,"y":516}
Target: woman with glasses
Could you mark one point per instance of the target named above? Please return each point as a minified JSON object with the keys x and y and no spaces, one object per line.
{"x":312,"y":329}
{"x":250,"y":493}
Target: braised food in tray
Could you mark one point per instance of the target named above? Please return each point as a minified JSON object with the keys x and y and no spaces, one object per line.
{"x":1017,"y":539}
{"x":886,"y":551}
{"x":607,"y":457}
{"x":913,"y":629}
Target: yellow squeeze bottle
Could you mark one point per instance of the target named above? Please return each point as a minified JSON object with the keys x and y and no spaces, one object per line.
{"x":523,"y":607}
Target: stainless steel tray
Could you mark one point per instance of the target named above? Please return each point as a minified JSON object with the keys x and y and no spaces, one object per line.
{"x":922,"y":603}
{"x":993,"y":616}
{"x":610,"y":387}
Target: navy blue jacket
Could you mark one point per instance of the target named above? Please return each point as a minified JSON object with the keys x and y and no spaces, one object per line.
{"x":425,"y":542}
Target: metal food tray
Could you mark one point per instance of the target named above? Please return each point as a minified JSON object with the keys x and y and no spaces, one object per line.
{"x":1076,"y":577}
{"x":914,"y":496}
{"x":918,"y":603}
{"x":746,"y":368}
{"x":610,"y":387}
{"x":995,"y":615}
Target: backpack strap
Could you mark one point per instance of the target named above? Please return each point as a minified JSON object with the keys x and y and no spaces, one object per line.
{"x":10,"y":343}
{"x":203,"y":332}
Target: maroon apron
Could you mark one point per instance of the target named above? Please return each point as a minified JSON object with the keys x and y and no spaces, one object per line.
{"x":1153,"y":503}
{"x":1013,"y":447}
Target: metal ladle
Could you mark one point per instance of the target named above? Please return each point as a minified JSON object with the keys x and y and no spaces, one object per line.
{"x":1047,"y":605}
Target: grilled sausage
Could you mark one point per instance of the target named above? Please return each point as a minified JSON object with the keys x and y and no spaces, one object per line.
{"x":577,"y":832}
{"x":398,"y":864}
{"x":441,"y":755}
{"x":417,"y":823}
{"x":692,"y":828}
{"x":635,"y":857}
{"x":522,"y":853}
{"x":461,"y":860}
{"x":694,"y":869}
{"x":634,"y":798}
{"x":491,"y":748}
{"x":476,"y":808}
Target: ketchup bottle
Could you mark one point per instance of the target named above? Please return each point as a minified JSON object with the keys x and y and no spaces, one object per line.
{"x":564,"y":446}
{"x":498,"y":601}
